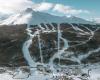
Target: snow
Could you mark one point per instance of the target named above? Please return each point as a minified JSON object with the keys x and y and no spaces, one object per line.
{"x":94,"y":73}
{"x":60,"y":51}
{"x":40,"y":48}
{"x":31,"y":17}
{"x":35,"y":17}
{"x":26,"y":46}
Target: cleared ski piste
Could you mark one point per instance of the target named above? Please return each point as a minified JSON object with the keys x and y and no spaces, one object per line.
{"x":34,"y":74}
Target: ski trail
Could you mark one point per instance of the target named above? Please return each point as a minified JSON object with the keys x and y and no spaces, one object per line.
{"x":53,"y":28}
{"x":65,"y":43}
{"x":81,"y":57}
{"x":74,"y":27}
{"x":46,"y":27}
{"x":64,"y":48}
{"x":84,"y":56}
{"x":41,"y":27}
{"x":58,"y":54}
{"x":26,"y":46}
{"x":40,"y":48}
{"x":59,"y":36}
{"x":84,"y":42}
{"x":44,"y":30}
{"x":75,"y":59}
{"x":78,"y":29}
{"x":92,"y":32}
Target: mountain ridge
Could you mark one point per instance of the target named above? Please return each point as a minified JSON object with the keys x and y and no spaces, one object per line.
{"x":32,"y":17}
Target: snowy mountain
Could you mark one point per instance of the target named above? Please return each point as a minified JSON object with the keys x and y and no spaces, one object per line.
{"x":97,"y":20}
{"x":3,"y":16}
{"x":74,"y":19}
{"x":50,"y":48}
{"x":33,"y":17}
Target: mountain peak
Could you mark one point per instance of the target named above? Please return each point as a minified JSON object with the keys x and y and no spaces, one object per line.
{"x":28,"y":10}
{"x":29,"y":16}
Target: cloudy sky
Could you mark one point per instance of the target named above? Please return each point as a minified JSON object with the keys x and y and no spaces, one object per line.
{"x":82,"y":8}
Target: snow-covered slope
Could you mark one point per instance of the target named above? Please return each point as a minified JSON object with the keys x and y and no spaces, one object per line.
{"x":32,"y":17}
{"x":74,"y":19}
{"x":97,"y":20}
{"x":3,"y":16}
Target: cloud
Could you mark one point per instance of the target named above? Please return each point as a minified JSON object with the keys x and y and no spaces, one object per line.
{"x":13,"y":6}
{"x":58,"y":8}
{"x":68,"y":9}
{"x":43,"y":6}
